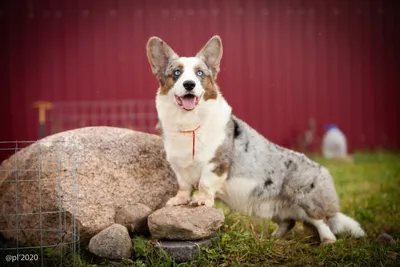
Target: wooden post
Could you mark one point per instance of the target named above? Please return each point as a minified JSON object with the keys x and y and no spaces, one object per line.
{"x":42,"y":106}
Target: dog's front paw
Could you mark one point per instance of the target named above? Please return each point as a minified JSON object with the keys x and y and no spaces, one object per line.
{"x":201,"y":201}
{"x":177,"y":201}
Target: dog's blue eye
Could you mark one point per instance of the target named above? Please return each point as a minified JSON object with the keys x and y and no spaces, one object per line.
{"x":199,"y":73}
{"x":177,"y":72}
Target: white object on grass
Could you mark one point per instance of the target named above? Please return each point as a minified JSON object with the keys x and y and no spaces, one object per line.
{"x":334,"y":143}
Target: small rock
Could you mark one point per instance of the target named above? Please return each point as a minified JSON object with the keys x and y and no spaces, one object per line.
{"x":112,"y":243}
{"x":386,"y":239}
{"x":134,"y":218}
{"x":182,"y":251}
{"x":185,"y":222}
{"x":392,"y":255}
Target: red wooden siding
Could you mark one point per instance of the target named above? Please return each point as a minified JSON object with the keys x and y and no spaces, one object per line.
{"x":285,"y":61}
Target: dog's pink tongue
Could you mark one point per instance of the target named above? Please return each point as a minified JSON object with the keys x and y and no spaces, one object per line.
{"x":188,"y":102}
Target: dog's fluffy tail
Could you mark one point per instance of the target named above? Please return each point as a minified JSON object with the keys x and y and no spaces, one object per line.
{"x":341,"y":223}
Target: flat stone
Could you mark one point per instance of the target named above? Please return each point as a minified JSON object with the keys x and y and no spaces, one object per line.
{"x":186,"y":223}
{"x":182,"y":251}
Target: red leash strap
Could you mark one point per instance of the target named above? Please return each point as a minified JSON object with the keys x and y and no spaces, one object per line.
{"x":193,"y":138}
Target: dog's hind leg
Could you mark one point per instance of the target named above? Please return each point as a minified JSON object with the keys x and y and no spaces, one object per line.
{"x":284,"y":226}
{"x":325,"y":234}
{"x":340,"y":223}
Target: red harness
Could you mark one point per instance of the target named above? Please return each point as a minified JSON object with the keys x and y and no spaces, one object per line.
{"x":193,"y":139}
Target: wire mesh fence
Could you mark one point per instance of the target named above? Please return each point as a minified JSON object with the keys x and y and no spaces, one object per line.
{"x":38,"y":198}
{"x":136,"y":114}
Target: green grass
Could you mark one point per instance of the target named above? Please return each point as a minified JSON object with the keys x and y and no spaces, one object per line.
{"x":369,"y":192}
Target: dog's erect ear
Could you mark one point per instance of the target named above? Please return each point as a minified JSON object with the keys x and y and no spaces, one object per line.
{"x":212,"y":54}
{"x":159,"y":55}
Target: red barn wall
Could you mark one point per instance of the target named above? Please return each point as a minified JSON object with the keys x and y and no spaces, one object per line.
{"x":284,"y":62}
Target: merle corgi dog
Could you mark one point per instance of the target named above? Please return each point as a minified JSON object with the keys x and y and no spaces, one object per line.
{"x":213,"y":151}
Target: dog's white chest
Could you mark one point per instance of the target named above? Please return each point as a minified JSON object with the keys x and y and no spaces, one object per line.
{"x":180,"y":148}
{"x":187,"y":148}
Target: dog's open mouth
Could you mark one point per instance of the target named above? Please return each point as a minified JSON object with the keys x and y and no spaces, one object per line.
{"x":187,"y":102}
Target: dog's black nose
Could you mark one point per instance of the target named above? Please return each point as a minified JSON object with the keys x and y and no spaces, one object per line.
{"x":189,"y":85}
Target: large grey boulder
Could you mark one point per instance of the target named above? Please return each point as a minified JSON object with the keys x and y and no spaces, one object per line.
{"x":91,"y":172}
{"x":185,"y":222}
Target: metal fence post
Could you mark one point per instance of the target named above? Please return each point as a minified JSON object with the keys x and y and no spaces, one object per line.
{"x":42,"y":106}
